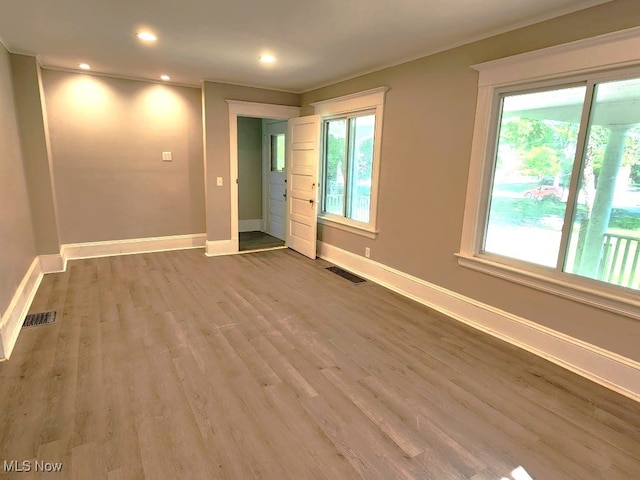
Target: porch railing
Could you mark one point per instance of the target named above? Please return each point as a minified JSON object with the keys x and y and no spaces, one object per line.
{"x":619,"y":262}
{"x":359,"y":208}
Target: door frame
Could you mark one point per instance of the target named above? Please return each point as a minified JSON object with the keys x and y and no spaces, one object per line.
{"x":237,"y":109}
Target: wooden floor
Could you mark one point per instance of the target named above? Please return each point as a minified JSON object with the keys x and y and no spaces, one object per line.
{"x":267,"y":366}
{"x":257,"y":240}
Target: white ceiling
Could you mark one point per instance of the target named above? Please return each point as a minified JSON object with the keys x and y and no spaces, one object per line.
{"x":316,"y":42}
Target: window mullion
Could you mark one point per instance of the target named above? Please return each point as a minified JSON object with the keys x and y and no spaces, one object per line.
{"x":576,"y":175}
{"x":325,"y":163}
{"x":346,"y":208}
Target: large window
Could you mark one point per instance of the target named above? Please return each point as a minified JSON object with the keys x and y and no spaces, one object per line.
{"x":348,"y":166}
{"x":537,"y":212}
{"x":553,"y":198}
{"x":536,"y":147}
{"x":351,"y":146}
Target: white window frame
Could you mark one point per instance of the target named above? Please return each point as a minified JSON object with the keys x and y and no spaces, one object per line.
{"x":606,"y":56}
{"x":371,"y":101}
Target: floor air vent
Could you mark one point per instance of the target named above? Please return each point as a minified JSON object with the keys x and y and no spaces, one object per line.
{"x":348,"y":275}
{"x":37,"y":319}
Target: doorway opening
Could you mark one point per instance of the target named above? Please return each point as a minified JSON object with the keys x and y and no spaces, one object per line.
{"x":252,"y":110}
{"x":261,"y":183}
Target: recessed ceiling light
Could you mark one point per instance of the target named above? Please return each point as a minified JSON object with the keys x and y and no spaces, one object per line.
{"x":84,"y":66}
{"x":146,"y":36}
{"x":267,"y":58}
{"x":165,"y":77}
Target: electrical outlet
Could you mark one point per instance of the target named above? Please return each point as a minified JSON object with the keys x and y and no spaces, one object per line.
{"x":367,"y":252}
{"x":167,"y":157}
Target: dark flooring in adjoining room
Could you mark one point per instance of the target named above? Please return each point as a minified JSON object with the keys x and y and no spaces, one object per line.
{"x":258,"y":240}
{"x":267,"y":366}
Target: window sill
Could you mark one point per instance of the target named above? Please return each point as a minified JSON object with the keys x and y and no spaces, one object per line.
{"x":347,"y":226}
{"x":583,"y":290}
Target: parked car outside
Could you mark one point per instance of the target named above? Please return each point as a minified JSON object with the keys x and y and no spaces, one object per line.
{"x":543,"y":192}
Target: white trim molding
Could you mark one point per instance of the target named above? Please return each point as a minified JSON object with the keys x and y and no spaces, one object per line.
{"x":603,"y":52}
{"x":245,"y":109}
{"x":73,"y":251}
{"x":606,"y":368}
{"x":252,"y":225}
{"x":353,"y":101}
{"x":215,"y":248}
{"x":18,"y":308}
{"x":263,"y":110}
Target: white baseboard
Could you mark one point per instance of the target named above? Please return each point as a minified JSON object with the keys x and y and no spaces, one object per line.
{"x":12,"y":320}
{"x":606,"y":368}
{"x":73,"y":251}
{"x":52,"y":263}
{"x":254,"y":225}
{"x":216,"y":248}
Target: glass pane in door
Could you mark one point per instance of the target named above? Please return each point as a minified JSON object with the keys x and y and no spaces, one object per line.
{"x":277,"y":153}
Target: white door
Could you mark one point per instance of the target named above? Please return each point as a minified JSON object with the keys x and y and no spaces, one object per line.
{"x":303,"y":151}
{"x":274,"y":147}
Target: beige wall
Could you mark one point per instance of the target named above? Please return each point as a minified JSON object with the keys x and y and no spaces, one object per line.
{"x":249,"y":168}
{"x":216,"y":117}
{"x":17,"y":244}
{"x":34,"y":138}
{"x":427,"y":133}
{"x":107,"y":138}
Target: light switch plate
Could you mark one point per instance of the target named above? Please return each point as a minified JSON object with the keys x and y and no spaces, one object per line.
{"x":219,"y":181}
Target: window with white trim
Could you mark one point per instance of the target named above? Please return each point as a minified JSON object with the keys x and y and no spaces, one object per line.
{"x":553,"y":198}
{"x":565,"y":193}
{"x":350,"y":162}
{"x":347,"y":166}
